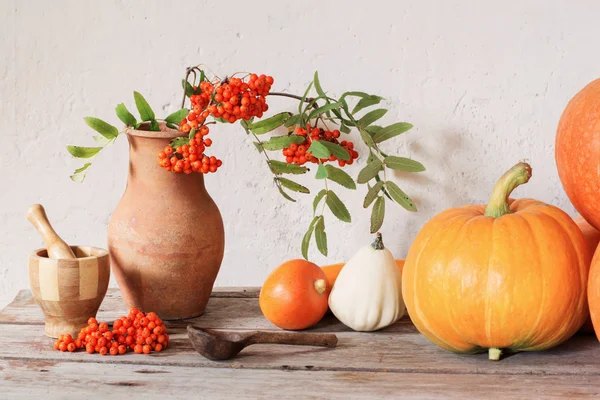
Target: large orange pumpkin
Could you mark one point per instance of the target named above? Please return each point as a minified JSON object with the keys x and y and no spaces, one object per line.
{"x":511,"y":275}
{"x":578,"y":151}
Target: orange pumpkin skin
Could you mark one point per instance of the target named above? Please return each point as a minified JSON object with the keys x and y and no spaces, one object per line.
{"x":592,"y":237}
{"x":332,"y":271}
{"x":594,"y":292}
{"x":294,"y":296}
{"x":473,"y":282}
{"x":577,"y":151}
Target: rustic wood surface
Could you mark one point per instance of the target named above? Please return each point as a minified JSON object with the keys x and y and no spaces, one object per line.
{"x":396,"y":362}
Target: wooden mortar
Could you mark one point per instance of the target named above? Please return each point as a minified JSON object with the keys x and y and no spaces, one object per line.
{"x":69,"y":291}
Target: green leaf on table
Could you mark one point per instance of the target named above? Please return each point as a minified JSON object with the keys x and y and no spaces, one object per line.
{"x":282,"y":142}
{"x":340,"y":177}
{"x":370,"y":171}
{"x":293,"y":120}
{"x":372,"y":194}
{"x":317,"y":149}
{"x":366,"y":102}
{"x":146,"y":113}
{"x":366,"y":137}
{"x":390,"y":131}
{"x":83,"y":152}
{"x":177,"y":116}
{"x":337,"y":207}
{"x":344,"y":128}
{"x":154,"y":126}
{"x":269,"y":124}
{"x":320,"y":235}
{"x":318,"y":199}
{"x":377,"y":214}
{"x":189,"y":89}
{"x":80,"y":173}
{"x":285,"y":195}
{"x":293,"y":186}
{"x":324,"y":109}
{"x":399,"y":196}
{"x":371,"y":117}
{"x":336,"y":150}
{"x":403,"y":164}
{"x":321,"y":172}
{"x":103,"y":128}
{"x":280,"y":167}
{"x":124,"y":115}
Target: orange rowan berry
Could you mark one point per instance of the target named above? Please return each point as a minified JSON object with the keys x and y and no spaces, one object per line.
{"x":146,"y":349}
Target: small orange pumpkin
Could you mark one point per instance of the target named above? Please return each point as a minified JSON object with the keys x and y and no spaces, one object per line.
{"x":510,"y":275}
{"x":592,"y":237}
{"x":294,"y":296}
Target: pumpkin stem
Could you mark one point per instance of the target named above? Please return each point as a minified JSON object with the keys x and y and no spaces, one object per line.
{"x":514,"y":177}
{"x":320,"y":286}
{"x":378,"y":243}
{"x":494,"y":353}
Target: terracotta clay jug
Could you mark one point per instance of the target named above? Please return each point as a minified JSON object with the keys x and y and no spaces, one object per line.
{"x":165,"y":237}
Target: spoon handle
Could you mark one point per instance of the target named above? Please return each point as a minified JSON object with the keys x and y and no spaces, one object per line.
{"x":302,"y":339}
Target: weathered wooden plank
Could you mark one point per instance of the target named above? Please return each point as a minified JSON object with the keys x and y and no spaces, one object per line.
{"x":221,"y":312}
{"x":378,"y":351}
{"x":53,"y":380}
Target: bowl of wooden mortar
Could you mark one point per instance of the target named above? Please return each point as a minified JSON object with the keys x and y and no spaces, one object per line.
{"x":69,"y":291}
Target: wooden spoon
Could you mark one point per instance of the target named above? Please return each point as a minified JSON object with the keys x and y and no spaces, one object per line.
{"x":56,"y":247}
{"x":223,"y":345}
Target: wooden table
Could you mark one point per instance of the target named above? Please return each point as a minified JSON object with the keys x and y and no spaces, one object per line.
{"x":397,"y":362}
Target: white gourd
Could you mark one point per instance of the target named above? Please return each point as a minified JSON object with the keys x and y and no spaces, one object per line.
{"x":367,"y":294}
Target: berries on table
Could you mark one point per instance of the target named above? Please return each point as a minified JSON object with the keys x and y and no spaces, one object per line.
{"x":138,"y":332}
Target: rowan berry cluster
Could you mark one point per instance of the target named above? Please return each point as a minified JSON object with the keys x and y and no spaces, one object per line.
{"x":138,"y":332}
{"x":299,"y":154}
{"x":190,"y":157}
{"x":231,"y":100}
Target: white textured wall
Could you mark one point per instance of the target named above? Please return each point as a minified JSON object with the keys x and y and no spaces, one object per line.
{"x":483,"y":82}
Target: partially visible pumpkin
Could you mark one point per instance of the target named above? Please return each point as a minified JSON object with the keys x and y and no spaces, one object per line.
{"x":511,"y":275}
{"x":332,"y":271}
{"x":592,"y":237}
{"x":577,"y":151}
{"x":294,"y":296}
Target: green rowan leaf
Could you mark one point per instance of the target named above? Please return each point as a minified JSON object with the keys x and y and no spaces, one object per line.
{"x":293,"y":186}
{"x":124,"y":115}
{"x":337,"y":207}
{"x":340,"y":177}
{"x":269,"y":124}
{"x":391,"y":131}
{"x":321,"y":236}
{"x":177,"y":116}
{"x":372,"y":194}
{"x":103,"y":128}
{"x":279,"y":167}
{"x":399,"y":196}
{"x":371,"y":117}
{"x":377,"y":214}
{"x":83,"y":152}
{"x":370,"y":171}
{"x":403,"y":164}
{"x":146,"y":113}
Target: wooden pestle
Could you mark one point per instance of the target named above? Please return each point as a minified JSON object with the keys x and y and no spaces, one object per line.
{"x":56,"y":247}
